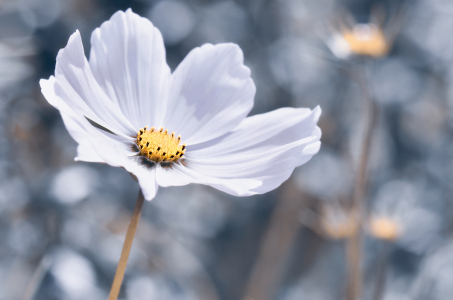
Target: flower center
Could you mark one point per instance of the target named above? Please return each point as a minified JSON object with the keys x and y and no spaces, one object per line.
{"x":159,"y":146}
{"x":367,"y":39}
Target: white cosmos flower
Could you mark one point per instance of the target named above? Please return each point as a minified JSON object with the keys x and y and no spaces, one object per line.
{"x":107,"y":101}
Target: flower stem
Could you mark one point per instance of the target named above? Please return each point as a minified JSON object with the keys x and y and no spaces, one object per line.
{"x":354,"y":249}
{"x":276,"y":244}
{"x":37,"y":277}
{"x":119,"y":275}
{"x":381,"y":272}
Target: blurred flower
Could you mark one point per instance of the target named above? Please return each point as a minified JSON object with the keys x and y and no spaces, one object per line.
{"x":333,"y":222}
{"x":338,"y":226}
{"x":108,"y":103}
{"x":362,"y":39}
{"x":399,"y":215}
{"x":384,"y":228}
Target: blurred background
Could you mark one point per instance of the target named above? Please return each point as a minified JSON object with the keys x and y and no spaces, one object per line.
{"x":62,"y":223}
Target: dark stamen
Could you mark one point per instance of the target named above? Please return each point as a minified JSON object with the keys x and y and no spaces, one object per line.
{"x":183,"y":147}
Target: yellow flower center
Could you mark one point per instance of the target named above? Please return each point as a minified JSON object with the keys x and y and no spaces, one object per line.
{"x":384,"y":228}
{"x":339,"y":229}
{"x":367,"y":39}
{"x":159,"y":145}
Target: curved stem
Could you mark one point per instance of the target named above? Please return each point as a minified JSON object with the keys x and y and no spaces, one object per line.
{"x":119,"y":275}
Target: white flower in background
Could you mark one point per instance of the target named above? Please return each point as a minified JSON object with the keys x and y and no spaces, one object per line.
{"x":362,"y":39}
{"x":125,"y":108}
{"x":373,"y":39}
{"x":399,"y":214}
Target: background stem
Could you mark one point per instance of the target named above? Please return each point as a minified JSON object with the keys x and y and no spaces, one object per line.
{"x":119,"y":275}
{"x":354,"y":248}
{"x":37,"y":277}
{"x":381,"y":272}
{"x":275,"y":245}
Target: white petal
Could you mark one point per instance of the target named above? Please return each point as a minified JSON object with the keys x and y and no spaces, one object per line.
{"x":116,"y":154}
{"x":289,"y":139}
{"x":178,"y":175}
{"x":79,"y":125}
{"x":261,"y":132}
{"x":97,"y":146}
{"x":128,"y":61}
{"x":76,"y":86}
{"x":85,"y":152}
{"x":172,"y":176}
{"x":211,"y":93}
{"x":94,"y":145}
{"x":146,"y":178}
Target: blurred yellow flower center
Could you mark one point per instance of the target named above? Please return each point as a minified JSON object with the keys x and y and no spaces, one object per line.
{"x":384,"y":228}
{"x":366,"y":39}
{"x":339,"y":229}
{"x":159,"y":145}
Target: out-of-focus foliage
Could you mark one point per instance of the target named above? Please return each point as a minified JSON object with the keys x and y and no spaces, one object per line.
{"x":62,"y":223}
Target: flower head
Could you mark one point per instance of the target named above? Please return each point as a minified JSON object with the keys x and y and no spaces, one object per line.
{"x":362,"y":39}
{"x":124,"y":107}
{"x":337,"y":222}
{"x":366,"y":39}
{"x":373,"y":39}
{"x":384,"y":228}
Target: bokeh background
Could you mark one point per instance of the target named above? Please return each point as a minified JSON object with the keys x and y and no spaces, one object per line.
{"x":62,"y":223}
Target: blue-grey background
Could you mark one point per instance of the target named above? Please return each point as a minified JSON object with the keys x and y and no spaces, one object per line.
{"x":62,"y":223}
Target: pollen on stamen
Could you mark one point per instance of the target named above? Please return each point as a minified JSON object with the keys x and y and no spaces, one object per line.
{"x":160,"y":146}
